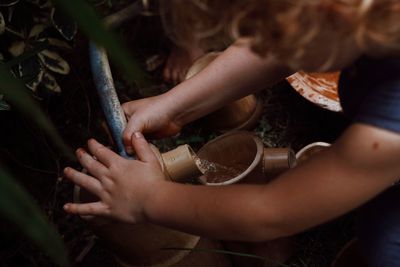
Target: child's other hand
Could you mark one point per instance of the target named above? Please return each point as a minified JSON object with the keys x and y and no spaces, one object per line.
{"x":123,"y":186}
{"x":152,"y":116}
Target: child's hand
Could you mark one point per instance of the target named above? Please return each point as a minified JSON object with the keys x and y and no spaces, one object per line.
{"x":123,"y":186}
{"x":153,"y":116}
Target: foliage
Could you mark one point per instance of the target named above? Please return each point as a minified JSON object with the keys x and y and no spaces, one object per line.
{"x":16,"y":205}
{"x":3,"y":104}
{"x":92,"y":26}
{"x":27,"y":37}
{"x":31,"y":33}
{"x":18,"y":96}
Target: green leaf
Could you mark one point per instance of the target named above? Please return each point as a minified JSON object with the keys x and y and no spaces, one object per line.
{"x":2,"y":24}
{"x":40,"y":3}
{"x":63,"y":24}
{"x":39,"y":46}
{"x":15,"y":31}
{"x":34,"y":82}
{"x":97,"y":2}
{"x":17,"y":48}
{"x":54,"y":62}
{"x":36,"y":30}
{"x":31,"y":72}
{"x":19,"y":97}
{"x":10,"y":15}
{"x":92,"y":26}
{"x":55,"y":42}
{"x":19,"y":208}
{"x":8,"y":2}
{"x":3,"y":104}
{"x":50,"y":83}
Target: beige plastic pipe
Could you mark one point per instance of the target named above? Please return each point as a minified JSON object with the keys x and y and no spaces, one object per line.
{"x":241,"y":148}
{"x":231,"y":149}
{"x":310,"y":150}
{"x":178,"y":164}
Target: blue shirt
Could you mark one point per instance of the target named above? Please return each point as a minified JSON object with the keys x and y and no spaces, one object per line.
{"x":369,"y":92}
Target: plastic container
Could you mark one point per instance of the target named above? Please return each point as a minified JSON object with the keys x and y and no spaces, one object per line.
{"x":309,"y":150}
{"x":244,"y":149}
{"x":178,"y":164}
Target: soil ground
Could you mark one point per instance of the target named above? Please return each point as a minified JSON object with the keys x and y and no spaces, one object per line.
{"x":288,"y":120}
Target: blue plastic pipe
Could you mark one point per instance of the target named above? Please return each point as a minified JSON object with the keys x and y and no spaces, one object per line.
{"x":103,"y":80}
{"x":108,"y":97}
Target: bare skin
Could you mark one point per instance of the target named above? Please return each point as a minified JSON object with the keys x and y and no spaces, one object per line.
{"x":340,"y":179}
{"x":359,"y":166}
{"x":237,"y":72}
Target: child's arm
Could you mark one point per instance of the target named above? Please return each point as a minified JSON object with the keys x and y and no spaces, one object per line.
{"x":363,"y":163}
{"x":237,"y":72}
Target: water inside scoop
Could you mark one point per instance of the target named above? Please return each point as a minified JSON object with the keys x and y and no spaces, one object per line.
{"x":218,"y":173}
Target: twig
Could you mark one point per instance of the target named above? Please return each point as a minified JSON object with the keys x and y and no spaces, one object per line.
{"x":116,"y":19}
{"x":86,"y":250}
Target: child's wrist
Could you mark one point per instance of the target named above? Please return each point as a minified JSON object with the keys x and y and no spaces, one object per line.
{"x":152,"y":203}
{"x":176,"y":109}
{"x":157,"y":209}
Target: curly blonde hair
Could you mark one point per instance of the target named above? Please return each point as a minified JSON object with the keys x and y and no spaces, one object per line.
{"x":288,"y":28}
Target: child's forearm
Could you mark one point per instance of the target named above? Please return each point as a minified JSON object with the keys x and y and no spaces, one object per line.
{"x":340,"y":179}
{"x":237,"y":72}
{"x":229,"y":213}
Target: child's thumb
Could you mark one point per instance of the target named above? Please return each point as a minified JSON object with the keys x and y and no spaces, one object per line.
{"x":142,"y":148}
{"x":129,"y":131}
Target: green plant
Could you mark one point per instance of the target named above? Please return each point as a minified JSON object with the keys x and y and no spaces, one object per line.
{"x":3,"y":104}
{"x":32,"y":33}
{"x":24,"y":56}
{"x":91,"y":25}
{"x":17,"y":206}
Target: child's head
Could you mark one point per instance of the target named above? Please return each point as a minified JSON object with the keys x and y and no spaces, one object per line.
{"x":289,"y":28}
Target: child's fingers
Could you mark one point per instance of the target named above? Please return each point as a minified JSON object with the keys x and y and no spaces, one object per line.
{"x":142,"y":148}
{"x":83,"y":180}
{"x":129,"y":108}
{"x":87,"y":209}
{"x":102,"y":153}
{"x":93,"y":166}
{"x":130,"y":128}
